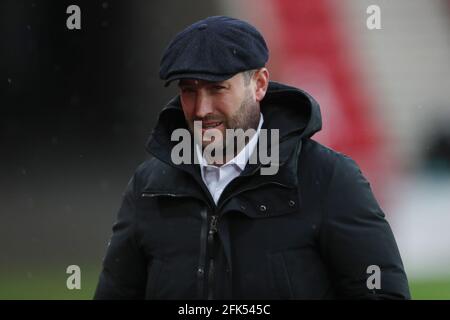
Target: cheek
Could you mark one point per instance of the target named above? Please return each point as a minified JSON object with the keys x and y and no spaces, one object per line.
{"x":228,"y":105}
{"x":188,"y":108}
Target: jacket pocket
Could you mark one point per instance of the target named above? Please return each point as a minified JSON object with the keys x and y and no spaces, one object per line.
{"x":279,"y":276}
{"x":268,"y":201}
{"x":154,"y":272}
{"x":300,"y":274}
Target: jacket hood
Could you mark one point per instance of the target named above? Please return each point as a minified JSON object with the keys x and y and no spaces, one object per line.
{"x":291,"y":110}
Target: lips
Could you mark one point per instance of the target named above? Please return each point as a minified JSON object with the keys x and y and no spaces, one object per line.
{"x":211,"y":125}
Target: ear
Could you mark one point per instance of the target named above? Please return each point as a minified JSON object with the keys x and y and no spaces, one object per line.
{"x":261,"y":83}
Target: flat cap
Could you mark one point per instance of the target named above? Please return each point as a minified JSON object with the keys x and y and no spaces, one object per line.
{"x":213,"y":49}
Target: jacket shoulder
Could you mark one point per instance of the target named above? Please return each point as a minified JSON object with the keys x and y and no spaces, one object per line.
{"x":318,"y":159}
{"x":148,"y":172}
{"x":323,"y":171}
{"x":145,"y":168}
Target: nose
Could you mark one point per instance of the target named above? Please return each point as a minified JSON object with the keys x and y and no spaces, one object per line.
{"x":203,"y":104}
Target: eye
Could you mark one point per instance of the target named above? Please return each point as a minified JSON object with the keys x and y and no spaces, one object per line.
{"x":218,"y":87}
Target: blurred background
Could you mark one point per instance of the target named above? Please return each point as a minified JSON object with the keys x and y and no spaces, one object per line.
{"x":77,"y":106}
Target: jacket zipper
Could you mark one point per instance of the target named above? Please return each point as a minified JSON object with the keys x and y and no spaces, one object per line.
{"x":211,"y":246}
{"x":208,"y":241}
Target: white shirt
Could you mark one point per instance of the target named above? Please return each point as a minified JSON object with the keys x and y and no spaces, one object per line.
{"x":217,"y":178}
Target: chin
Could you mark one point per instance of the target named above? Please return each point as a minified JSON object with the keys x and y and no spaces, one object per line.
{"x":212,"y":145}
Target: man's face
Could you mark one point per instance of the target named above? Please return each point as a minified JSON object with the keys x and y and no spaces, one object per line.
{"x":229,"y":104}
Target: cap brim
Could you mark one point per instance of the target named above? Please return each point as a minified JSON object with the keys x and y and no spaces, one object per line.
{"x":198,"y":76}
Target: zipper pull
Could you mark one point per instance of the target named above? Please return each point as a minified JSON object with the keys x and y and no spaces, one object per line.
{"x":213,"y":225}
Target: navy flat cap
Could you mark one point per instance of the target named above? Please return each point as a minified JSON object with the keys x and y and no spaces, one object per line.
{"x":213,"y":49}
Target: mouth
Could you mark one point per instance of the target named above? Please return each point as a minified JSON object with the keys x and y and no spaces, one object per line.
{"x":211,"y":125}
{"x":206,"y":126}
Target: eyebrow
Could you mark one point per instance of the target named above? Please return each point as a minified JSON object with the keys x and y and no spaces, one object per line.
{"x":220,"y":83}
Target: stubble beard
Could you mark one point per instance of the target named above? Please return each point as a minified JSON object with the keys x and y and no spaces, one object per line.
{"x":246,"y":117}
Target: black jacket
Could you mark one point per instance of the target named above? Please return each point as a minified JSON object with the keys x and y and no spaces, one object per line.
{"x":308,"y":232}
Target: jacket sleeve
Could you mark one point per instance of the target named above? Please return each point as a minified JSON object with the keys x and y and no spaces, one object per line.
{"x":123,"y":275}
{"x":355,"y":235}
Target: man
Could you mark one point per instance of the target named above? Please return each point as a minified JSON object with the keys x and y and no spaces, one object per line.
{"x":218,"y":228}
